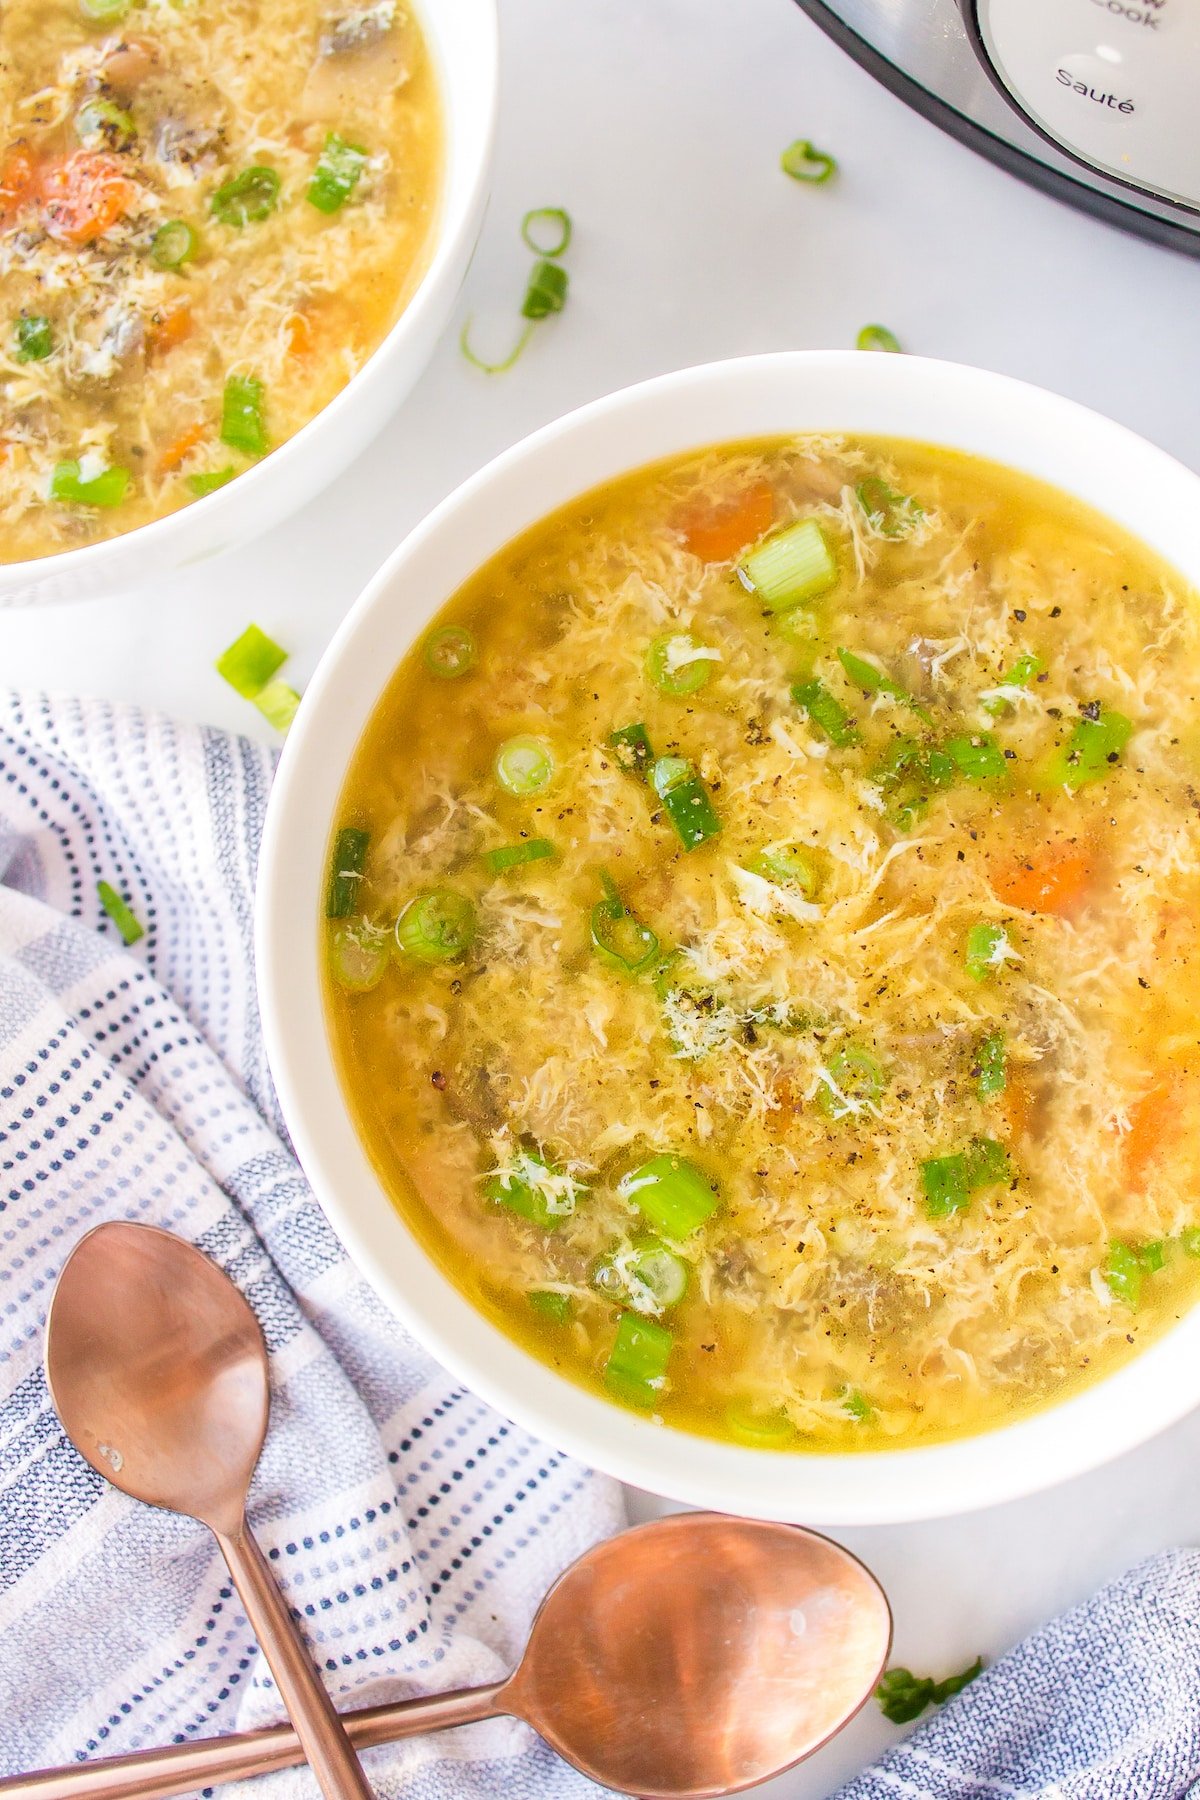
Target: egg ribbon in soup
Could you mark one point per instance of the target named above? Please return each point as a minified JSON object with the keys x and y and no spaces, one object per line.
{"x":762,"y":952}
{"x":210,"y":214}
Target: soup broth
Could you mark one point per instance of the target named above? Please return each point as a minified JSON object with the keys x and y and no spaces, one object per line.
{"x":763,"y":961}
{"x":209,"y":217}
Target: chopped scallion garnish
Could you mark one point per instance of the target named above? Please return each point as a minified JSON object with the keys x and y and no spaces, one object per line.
{"x":107,"y":488}
{"x":242,"y":424}
{"x":553,"y":215}
{"x":449,"y":651}
{"x":679,"y":664}
{"x":826,"y":713}
{"x":104,"y":12}
{"x":278,"y":703}
{"x":789,"y":567}
{"x":535,"y":1190}
{"x":890,"y":514}
{"x":250,"y":662}
{"x":871,"y":679}
{"x":804,"y":162}
{"x":1093,"y":748}
{"x":103,"y":122}
{"x":854,"y":1081}
{"x":249,"y":198}
{"x":120,"y":912}
{"x":633,"y":750}
{"x":515,"y":856}
{"x":988,"y":949}
{"x":551,"y":1305}
{"x":647,"y":1276}
{"x":789,"y":866}
{"x":523,"y":765}
{"x":492,"y":368}
{"x":685,"y":800}
{"x":758,"y":1429}
{"x":877,"y":337}
{"x":359,"y":954}
{"x":209,"y":480}
{"x":991,"y":1066}
{"x":636,"y":1370}
{"x":977,"y":757}
{"x":337,"y":173}
{"x":547,"y":290}
{"x":173,"y":244}
{"x":948,"y":1182}
{"x":346,"y":872}
{"x":33,"y":338}
{"x":904,"y":1696}
{"x":437,"y":925}
{"x":617,"y":937}
{"x":671,"y":1194}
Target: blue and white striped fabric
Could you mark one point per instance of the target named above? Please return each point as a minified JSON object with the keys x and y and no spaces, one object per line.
{"x":412,"y":1528}
{"x":1101,"y":1704}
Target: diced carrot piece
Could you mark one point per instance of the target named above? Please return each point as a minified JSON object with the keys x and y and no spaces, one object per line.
{"x":83,"y":196}
{"x":1055,"y":881}
{"x":719,"y":533}
{"x":18,"y":180}
{"x":1153,"y":1122}
{"x":178,"y":448}
{"x":169,"y":328}
{"x":299,"y":329}
{"x":1016,"y":1103}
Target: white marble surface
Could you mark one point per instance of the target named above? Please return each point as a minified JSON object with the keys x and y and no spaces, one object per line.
{"x":659,"y":124}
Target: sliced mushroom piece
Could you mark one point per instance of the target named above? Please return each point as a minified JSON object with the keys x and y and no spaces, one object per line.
{"x":363,"y":55}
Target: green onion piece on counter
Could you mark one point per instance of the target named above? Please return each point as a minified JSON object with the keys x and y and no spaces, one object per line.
{"x":671,"y":1194}
{"x":685,"y":800}
{"x":826,"y":713}
{"x":515,"y":856}
{"x":108,"y":488}
{"x":1025,"y":669}
{"x":120,"y":912}
{"x":633,"y":750}
{"x":636,"y":1370}
{"x":492,"y":368}
{"x":648,"y":1277}
{"x":789,"y":866}
{"x":242,"y":423}
{"x":878,"y":337}
{"x":988,"y":949}
{"x":173,"y":244}
{"x":104,"y":12}
{"x":248,"y":199}
{"x":449,"y":651}
{"x":359,"y":954}
{"x":871,"y":679}
{"x":617,"y":937}
{"x":991,"y":1067}
{"x":250,"y":662}
{"x":278,"y":703}
{"x":1124,"y":1273}
{"x":535,"y":1190}
{"x":547,"y":290}
{"x":679,"y":664}
{"x":1093,"y":748}
{"x":33,"y":338}
{"x":103,"y":122}
{"x":789,"y":567}
{"x":759,"y":1430}
{"x":556,"y":1307}
{"x":336,"y":175}
{"x":904,"y":1696}
{"x":857,"y":1405}
{"x":977,"y":757}
{"x":210,"y":480}
{"x":437,"y":925}
{"x":1189,"y":1240}
{"x":890,"y":514}
{"x":855,"y":1082}
{"x":523,"y":765}
{"x":804,"y":162}
{"x":531,"y":233}
{"x":346,"y":872}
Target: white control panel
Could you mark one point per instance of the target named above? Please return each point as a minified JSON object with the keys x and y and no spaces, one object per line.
{"x":1115,"y":82}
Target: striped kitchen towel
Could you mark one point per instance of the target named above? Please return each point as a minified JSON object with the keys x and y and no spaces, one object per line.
{"x":413,"y":1529}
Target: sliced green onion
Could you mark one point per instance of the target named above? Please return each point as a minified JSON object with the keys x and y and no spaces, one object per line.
{"x":636,"y":1370}
{"x":523,"y":765}
{"x":359,"y":955}
{"x":33,"y":338}
{"x":671,"y":1194}
{"x":617,"y":937}
{"x":547,"y":290}
{"x":685,"y":800}
{"x":1093,"y":748}
{"x":210,"y":480}
{"x":991,"y":1067}
{"x":1189,"y":1240}
{"x":515,"y":856}
{"x":278,"y":703}
{"x":826,"y":713}
{"x":120,"y":912}
{"x":1153,"y":1256}
{"x":877,"y":337}
{"x":1124,"y":1273}
{"x":535,"y":1190}
{"x":679,"y":664}
{"x":104,"y":12}
{"x":104,"y":122}
{"x":336,"y":175}
{"x":556,"y":216}
{"x":248,"y":199}
{"x":492,"y":368}
{"x":890,"y":514}
{"x":648,"y":1277}
{"x":977,"y":757}
{"x":551,"y":1305}
{"x":804,"y":162}
{"x":949,"y":1181}
{"x":789,"y":866}
{"x":250,"y":662}
{"x":346,"y":872}
{"x":758,"y":1429}
{"x":1027,"y":668}
{"x":633,"y":750}
{"x":856,"y":1081}
{"x":437,"y":925}
{"x":173,"y":244}
{"x":904,"y":1696}
{"x":242,"y":423}
{"x":789,"y":567}
{"x":871,"y":679}
{"x":988,"y":949}
{"x":449,"y":651}
{"x":108,"y":488}
{"x":857,"y":1405}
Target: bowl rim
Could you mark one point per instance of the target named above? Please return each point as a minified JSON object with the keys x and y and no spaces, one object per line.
{"x":1062,"y":1440}
{"x":468,"y":147}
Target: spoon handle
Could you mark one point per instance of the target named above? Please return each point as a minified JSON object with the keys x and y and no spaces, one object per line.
{"x":181,"y":1769}
{"x":327,"y":1749}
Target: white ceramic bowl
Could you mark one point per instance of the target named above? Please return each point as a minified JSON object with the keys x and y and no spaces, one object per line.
{"x":463,"y":38}
{"x":903,"y":396}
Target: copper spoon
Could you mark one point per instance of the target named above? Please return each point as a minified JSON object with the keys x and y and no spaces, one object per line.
{"x":684,"y":1659}
{"x":159,"y":1372}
